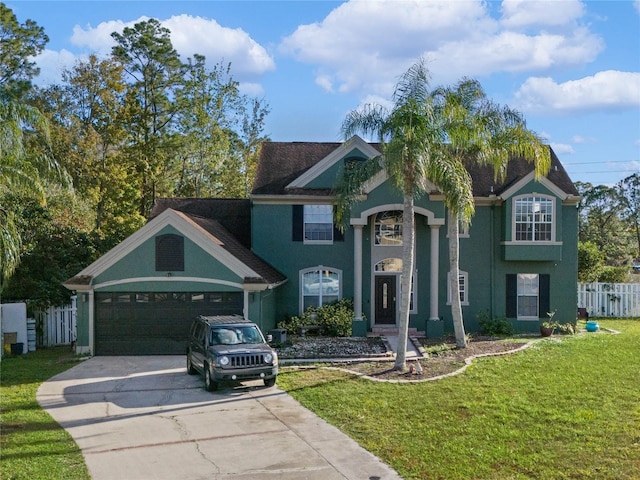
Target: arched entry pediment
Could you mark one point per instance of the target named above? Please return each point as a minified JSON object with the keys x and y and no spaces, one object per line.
{"x":428,"y":214}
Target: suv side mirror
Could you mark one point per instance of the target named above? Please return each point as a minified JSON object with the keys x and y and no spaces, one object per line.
{"x":269,"y":338}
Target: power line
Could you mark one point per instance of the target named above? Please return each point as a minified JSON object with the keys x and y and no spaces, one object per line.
{"x":596,"y":163}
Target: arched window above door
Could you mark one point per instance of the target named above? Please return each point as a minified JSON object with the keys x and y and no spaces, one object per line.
{"x":388,"y":228}
{"x":389,"y":265}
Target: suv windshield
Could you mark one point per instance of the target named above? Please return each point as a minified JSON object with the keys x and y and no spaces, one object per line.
{"x":234,"y":335}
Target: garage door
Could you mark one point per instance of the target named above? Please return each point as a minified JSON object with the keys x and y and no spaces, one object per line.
{"x":145,"y":323}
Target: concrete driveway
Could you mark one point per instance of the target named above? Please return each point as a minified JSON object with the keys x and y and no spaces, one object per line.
{"x":138,"y":418}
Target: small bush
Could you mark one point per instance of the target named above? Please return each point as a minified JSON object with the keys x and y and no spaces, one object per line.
{"x":333,"y":319}
{"x":565,"y":328}
{"x":494,"y":327}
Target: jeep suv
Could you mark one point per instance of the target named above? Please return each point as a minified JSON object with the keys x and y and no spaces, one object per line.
{"x":229,"y":347}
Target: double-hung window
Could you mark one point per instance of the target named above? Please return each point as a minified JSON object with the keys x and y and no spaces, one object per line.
{"x":463,"y":282}
{"x":527,"y":295}
{"x":318,"y":223}
{"x":533,"y":219}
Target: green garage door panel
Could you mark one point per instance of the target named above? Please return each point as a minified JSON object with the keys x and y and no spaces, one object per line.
{"x":154,"y":323}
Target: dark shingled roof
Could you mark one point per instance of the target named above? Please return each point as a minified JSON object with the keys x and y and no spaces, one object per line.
{"x":234,"y":214}
{"x":268,"y":274}
{"x":282,"y":162}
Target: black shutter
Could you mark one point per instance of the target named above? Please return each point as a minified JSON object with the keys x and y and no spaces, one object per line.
{"x":297,"y":226}
{"x":512,"y":295}
{"x":338,"y":236}
{"x":544,"y":304}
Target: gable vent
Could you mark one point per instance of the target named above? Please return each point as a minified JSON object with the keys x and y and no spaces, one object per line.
{"x":169,"y":253}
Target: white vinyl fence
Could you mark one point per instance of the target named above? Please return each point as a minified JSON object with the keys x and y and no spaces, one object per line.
{"x":59,"y":325}
{"x":610,"y":299}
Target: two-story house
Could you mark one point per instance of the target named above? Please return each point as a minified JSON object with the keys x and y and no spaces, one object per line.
{"x":279,"y":252}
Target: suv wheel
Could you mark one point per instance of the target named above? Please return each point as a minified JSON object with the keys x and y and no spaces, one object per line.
{"x":209,"y":384}
{"x":190,"y":369}
{"x":269,"y":382}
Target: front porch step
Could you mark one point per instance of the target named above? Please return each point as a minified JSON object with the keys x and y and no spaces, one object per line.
{"x":391,"y":331}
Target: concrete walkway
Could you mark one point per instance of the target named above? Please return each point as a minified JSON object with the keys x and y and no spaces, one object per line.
{"x":139,"y":418}
{"x":412,"y":351}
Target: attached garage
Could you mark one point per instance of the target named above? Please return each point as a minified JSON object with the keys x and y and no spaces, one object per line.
{"x":140,"y":297}
{"x":154,"y":323}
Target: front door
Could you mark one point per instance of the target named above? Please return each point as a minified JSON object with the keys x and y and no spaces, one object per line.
{"x":385,"y":286}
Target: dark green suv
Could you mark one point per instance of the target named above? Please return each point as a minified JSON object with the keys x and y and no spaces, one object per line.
{"x":229,"y":348}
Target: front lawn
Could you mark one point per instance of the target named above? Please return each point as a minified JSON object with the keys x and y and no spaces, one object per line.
{"x":32,"y":445}
{"x":566,"y":408}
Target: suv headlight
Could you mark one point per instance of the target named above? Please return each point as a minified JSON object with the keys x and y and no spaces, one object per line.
{"x":271,"y":358}
{"x":223,"y":360}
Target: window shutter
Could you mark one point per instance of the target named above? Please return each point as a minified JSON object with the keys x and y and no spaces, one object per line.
{"x":338,"y":236}
{"x":512,"y":295}
{"x":544,"y":303}
{"x":298,"y":219}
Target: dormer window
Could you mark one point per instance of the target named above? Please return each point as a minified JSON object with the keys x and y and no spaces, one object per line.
{"x":533,"y":219}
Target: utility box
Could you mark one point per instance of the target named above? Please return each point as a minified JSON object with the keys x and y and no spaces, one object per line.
{"x":279,"y":335}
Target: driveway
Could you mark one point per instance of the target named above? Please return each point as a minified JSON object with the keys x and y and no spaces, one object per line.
{"x":137,"y":418}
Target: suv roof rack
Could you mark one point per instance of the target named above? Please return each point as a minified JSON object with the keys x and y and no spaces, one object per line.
{"x":224,"y":319}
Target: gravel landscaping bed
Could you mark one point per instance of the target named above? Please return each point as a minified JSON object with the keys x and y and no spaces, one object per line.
{"x":441,"y":356}
{"x":311,"y":347}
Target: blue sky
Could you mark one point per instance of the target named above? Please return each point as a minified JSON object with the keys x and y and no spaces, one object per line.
{"x":571,"y":67}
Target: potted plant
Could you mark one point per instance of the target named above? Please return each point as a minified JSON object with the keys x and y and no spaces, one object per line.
{"x":547,"y":327}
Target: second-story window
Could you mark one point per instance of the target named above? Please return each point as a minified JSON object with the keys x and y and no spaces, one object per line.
{"x":318,"y":223}
{"x":388,"y":228}
{"x":533,"y":219}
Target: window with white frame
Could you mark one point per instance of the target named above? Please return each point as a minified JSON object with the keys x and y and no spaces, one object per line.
{"x":533,"y":219}
{"x":528,"y":292}
{"x":318,"y":223}
{"x":319,"y":286}
{"x":463,"y":282}
{"x":388,"y":228}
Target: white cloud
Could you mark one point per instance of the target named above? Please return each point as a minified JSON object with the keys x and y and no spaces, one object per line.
{"x":364,"y":46}
{"x":52,"y":64}
{"x":607,"y":90}
{"x":562,"y":149}
{"x":524,"y":13}
{"x":636,"y":4}
{"x":98,"y":40}
{"x":189,"y":35}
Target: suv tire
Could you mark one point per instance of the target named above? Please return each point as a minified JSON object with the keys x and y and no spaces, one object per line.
{"x":209,"y":384}
{"x":190,"y":368}
{"x":269,"y":382}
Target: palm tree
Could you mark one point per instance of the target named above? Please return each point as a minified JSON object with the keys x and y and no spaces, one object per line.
{"x":410,"y":144}
{"x":428,"y":136}
{"x":20,"y":172}
{"x":478,"y":130}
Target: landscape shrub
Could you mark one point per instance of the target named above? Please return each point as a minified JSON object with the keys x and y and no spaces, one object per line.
{"x":333,"y":320}
{"x":494,"y":327}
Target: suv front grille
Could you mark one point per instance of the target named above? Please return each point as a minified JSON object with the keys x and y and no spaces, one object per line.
{"x":237,"y":361}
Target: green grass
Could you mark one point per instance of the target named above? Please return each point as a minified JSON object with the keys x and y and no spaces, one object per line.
{"x":559,"y":410}
{"x":567,"y":409}
{"x":32,"y":445}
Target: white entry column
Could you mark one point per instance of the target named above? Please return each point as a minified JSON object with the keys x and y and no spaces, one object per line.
{"x":357,"y":271}
{"x":435,"y":248}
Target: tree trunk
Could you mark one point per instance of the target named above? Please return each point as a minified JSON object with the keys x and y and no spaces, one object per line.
{"x":408,"y":254}
{"x":454,"y":283}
